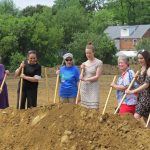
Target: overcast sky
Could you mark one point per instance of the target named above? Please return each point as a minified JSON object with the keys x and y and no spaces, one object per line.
{"x":24,"y":3}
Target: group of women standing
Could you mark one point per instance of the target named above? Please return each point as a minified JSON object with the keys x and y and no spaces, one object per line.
{"x":136,"y":102}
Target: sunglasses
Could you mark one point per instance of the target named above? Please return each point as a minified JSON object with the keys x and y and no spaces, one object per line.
{"x":68,"y":59}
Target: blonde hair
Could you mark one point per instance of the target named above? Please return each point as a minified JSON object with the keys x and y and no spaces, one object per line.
{"x":90,"y":46}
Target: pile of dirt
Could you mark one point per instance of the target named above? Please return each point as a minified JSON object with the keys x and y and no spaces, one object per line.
{"x":70,"y":127}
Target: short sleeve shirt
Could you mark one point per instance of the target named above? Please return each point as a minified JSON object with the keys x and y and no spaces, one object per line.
{"x":125,"y":80}
{"x":69,"y":77}
{"x":31,"y":70}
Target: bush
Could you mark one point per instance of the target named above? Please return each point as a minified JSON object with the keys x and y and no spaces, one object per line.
{"x":144,"y":44}
{"x":15,"y":59}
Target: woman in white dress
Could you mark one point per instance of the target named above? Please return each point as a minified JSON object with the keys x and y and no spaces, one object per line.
{"x":89,"y":90}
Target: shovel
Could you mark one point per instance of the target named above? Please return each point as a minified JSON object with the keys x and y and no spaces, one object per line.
{"x":78,"y":93}
{"x":20,"y":93}
{"x":129,"y":87}
{"x":1,"y":88}
{"x":102,"y":117}
{"x":148,"y":120}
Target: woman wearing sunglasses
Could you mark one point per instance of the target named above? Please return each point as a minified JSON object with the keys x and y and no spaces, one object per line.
{"x":69,"y":77}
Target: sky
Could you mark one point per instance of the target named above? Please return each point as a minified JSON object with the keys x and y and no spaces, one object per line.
{"x":24,"y":3}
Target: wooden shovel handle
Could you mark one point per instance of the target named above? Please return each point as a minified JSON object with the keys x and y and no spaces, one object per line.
{"x":1,"y":88}
{"x":124,"y":96}
{"x":20,"y":93}
{"x":46,"y":82}
{"x":148,"y":120}
{"x":56,"y":88}
{"x":108,"y":96}
{"x":79,"y":85}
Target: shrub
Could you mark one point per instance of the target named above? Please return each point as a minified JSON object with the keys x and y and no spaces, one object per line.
{"x":15,"y":60}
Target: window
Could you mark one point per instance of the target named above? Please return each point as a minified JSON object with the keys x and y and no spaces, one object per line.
{"x":134,"y":42}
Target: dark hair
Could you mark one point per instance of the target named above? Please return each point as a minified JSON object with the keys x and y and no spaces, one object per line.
{"x":31,"y":52}
{"x":146,"y":56}
{"x":90,"y":46}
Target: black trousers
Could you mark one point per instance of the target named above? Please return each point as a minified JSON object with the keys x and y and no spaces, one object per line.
{"x":29,"y":96}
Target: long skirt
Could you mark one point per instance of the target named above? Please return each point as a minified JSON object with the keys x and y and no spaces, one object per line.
{"x":90,"y":94}
{"x":4,"y":97}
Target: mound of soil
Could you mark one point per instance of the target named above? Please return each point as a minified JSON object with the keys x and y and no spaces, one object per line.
{"x":70,"y":127}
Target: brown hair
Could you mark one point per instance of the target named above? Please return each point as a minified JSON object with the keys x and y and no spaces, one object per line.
{"x":146,"y":56}
{"x":31,"y":52}
{"x":90,"y":46}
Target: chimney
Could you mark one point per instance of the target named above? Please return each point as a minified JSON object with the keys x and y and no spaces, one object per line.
{"x":124,"y":31}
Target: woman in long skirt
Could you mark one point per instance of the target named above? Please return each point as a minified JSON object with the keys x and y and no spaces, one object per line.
{"x":4,"y":93}
{"x":89,"y":90}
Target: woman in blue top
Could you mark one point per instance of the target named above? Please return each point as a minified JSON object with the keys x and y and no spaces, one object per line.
{"x":69,"y":77}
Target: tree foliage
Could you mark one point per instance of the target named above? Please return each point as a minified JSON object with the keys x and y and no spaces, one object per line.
{"x":101,"y":20}
{"x":104,"y":47}
{"x":8,"y":7}
{"x":66,"y":26}
{"x":16,"y":58}
{"x":144,"y":44}
{"x":130,"y":11}
{"x":31,"y":10}
{"x":72,"y":19}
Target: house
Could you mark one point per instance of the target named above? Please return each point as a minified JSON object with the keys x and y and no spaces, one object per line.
{"x":126,"y":37}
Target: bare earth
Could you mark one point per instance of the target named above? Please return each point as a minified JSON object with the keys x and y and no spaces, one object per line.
{"x":67,"y":126}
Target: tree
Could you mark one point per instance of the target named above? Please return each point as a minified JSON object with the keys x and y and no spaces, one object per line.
{"x":142,"y":12}
{"x":16,"y":58}
{"x":105,"y":48}
{"x":47,"y":41}
{"x":100,"y":20}
{"x":8,"y":44}
{"x":144,"y":44}
{"x":31,"y":10}
{"x":63,"y":4}
{"x":72,"y":19}
{"x":24,"y":30}
{"x":8,"y":7}
{"x":130,"y":11}
{"x":93,"y":5}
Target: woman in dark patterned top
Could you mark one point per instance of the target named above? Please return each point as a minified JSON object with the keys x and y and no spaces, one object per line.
{"x":31,"y":76}
{"x":143,"y":102}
